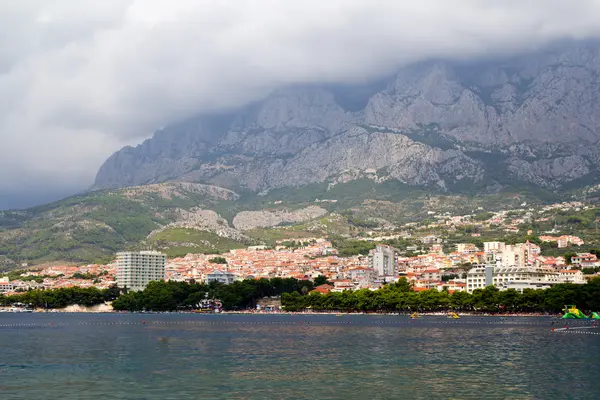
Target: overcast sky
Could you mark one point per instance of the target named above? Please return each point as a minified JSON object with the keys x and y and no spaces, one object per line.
{"x":81,"y":78}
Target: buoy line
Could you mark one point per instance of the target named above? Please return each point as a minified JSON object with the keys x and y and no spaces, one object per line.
{"x":577,"y":332}
{"x":413,"y":322}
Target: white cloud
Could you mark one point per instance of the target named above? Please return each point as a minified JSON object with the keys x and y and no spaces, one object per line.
{"x":80,"y":78}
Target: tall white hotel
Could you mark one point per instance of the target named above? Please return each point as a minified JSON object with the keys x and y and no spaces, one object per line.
{"x":135,"y":269}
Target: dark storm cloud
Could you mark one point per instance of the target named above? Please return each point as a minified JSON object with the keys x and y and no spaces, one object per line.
{"x":81,"y":78}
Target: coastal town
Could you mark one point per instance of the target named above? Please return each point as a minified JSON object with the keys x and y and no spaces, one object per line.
{"x":427,"y":261}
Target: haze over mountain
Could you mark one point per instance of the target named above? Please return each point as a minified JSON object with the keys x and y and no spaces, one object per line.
{"x":80,"y":79}
{"x":533,"y":119}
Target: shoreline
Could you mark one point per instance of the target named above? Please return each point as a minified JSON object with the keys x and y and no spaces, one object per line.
{"x":81,"y":310}
{"x":407,"y":314}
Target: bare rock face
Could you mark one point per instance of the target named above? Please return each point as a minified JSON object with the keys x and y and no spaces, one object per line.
{"x":534,"y":118}
{"x":205,"y":220}
{"x":262,"y":219}
{"x":170,"y":190}
{"x":560,"y":169}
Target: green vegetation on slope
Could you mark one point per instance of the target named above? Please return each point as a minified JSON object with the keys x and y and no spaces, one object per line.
{"x":94,"y":226}
{"x":352,"y":247}
{"x":178,"y":242}
{"x":91,"y":229}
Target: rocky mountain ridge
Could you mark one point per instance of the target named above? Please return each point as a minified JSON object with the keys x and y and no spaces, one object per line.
{"x":532,"y":119}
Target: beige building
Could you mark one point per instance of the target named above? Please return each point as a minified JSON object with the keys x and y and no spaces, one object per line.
{"x":572,"y":276}
{"x":5,"y":285}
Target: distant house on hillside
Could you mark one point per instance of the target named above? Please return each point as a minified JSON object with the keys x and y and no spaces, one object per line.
{"x":224,"y":277}
{"x":323,"y":289}
{"x":5,"y":285}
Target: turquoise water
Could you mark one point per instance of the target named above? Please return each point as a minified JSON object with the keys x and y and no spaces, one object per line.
{"x":181,"y":356}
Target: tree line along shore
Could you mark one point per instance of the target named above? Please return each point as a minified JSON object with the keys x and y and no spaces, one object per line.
{"x":298,"y":296}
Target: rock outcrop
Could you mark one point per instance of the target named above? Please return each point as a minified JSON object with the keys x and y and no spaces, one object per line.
{"x":262,"y":219}
{"x":534,"y":118}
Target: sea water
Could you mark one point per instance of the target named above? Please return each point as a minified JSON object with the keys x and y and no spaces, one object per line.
{"x":190,"y":356}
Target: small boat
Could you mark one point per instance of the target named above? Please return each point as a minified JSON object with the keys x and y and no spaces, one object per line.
{"x":21,"y":310}
{"x":415,"y":315}
{"x":453,"y":315}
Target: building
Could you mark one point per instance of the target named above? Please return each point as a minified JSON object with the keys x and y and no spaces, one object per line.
{"x":431,"y":274}
{"x":322,"y":289}
{"x":361,"y":276}
{"x":430,"y":239}
{"x":583,"y":258}
{"x":466,"y":248}
{"x":480,"y":277}
{"x":563,"y":241}
{"x":135,"y":269}
{"x":339,"y":285}
{"x":506,"y":255}
{"x":490,"y":247}
{"x":384,"y":262}
{"x":456,"y":285}
{"x":514,"y":256}
{"x":224,"y":277}
{"x":5,"y":285}
{"x":517,"y":278}
{"x":571,"y":276}
{"x":520,"y":286}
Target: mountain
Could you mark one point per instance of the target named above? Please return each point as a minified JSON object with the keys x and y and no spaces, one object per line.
{"x":328,"y":160}
{"x":528,"y":120}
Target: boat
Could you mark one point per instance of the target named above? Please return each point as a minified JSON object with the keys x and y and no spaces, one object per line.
{"x":209,"y":306}
{"x":415,"y":315}
{"x":21,"y":310}
{"x":453,"y":315}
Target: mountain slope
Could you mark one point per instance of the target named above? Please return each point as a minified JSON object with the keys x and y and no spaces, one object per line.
{"x":181,"y":217}
{"x":94,"y":226}
{"x":532,"y":119}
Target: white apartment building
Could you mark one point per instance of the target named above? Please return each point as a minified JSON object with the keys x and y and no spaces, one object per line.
{"x":518,"y":278}
{"x":135,"y":269}
{"x":479,"y":277}
{"x":224,"y":277}
{"x":506,"y":255}
{"x":384,"y":262}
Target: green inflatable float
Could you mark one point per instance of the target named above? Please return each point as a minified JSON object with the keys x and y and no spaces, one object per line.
{"x":572,"y":312}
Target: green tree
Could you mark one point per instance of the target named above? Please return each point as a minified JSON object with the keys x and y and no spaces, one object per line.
{"x":321,"y":280}
{"x":568,"y":257}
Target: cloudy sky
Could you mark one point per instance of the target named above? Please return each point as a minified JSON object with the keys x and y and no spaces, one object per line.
{"x":81,"y":78}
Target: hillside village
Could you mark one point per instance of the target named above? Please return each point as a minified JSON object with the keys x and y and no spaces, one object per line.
{"x":444,"y":252}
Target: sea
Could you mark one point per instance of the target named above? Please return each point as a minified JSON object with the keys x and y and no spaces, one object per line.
{"x":223,"y":356}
